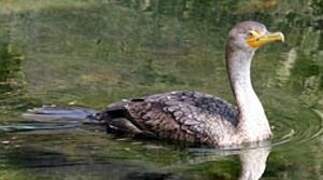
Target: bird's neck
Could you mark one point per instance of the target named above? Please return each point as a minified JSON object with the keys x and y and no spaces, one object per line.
{"x":253,"y":123}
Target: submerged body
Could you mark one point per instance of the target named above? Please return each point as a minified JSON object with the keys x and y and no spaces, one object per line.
{"x":201,"y":118}
{"x":180,"y":115}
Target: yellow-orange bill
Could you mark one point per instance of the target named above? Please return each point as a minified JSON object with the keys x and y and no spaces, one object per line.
{"x":260,"y":41}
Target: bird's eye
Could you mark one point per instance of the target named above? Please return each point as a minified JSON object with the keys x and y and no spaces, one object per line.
{"x":252,"y":33}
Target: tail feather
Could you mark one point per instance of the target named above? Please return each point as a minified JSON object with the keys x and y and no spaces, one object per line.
{"x":52,"y":118}
{"x":65,"y":114}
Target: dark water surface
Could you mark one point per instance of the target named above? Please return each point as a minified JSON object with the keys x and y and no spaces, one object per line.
{"x":88,"y":53}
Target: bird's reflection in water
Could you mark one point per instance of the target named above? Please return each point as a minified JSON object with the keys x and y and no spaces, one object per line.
{"x":253,"y":163}
{"x":252,"y":159}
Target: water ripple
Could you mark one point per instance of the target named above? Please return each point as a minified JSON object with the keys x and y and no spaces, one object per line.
{"x":298,"y":131}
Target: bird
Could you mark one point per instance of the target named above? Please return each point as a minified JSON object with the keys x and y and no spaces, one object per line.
{"x":195,"y":117}
{"x":200,"y":118}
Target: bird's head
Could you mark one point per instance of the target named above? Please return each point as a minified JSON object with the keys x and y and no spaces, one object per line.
{"x":250,"y":35}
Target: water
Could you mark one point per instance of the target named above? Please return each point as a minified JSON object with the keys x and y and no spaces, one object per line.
{"x":91,"y":53}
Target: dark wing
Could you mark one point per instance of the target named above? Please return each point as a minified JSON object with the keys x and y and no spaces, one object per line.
{"x":168,"y":121}
{"x":177,"y":115}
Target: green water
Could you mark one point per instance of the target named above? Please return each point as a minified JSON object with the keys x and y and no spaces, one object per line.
{"x":89,"y":53}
